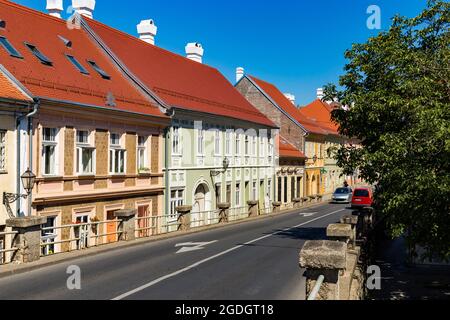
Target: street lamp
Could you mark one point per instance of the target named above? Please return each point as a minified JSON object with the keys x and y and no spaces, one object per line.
{"x":28,"y":181}
{"x":225,"y":165}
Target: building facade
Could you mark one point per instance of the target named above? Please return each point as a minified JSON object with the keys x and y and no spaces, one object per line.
{"x":94,"y":140}
{"x":290,"y":172}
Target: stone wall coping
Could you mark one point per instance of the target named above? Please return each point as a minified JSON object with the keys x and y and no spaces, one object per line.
{"x":276,"y":204}
{"x":297,"y":200}
{"x":323,"y":254}
{"x":223,"y":206}
{"x":353,"y":220}
{"x":184,"y":209}
{"x":252,"y":202}
{"x":26,"y":222}
{"x":340,"y":230}
{"x":126,"y":213}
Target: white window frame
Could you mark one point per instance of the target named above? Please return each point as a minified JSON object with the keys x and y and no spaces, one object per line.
{"x":176,"y":140}
{"x":237,"y":146}
{"x":262,"y":146}
{"x":228,"y":145}
{"x":117,"y":148}
{"x":200,"y":142}
{"x":50,"y":237}
{"x":50,"y":143}
{"x":142,"y":148}
{"x":175,"y":202}
{"x":80,"y":147}
{"x":247,"y":145}
{"x":237,"y":195}
{"x":254,"y":190}
{"x":254,"y":146}
{"x":217,"y":142}
{"x":3,"y":151}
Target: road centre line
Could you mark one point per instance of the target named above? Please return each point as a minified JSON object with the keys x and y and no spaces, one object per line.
{"x":156,"y":281}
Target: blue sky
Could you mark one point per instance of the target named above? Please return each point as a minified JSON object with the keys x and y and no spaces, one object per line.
{"x":296,"y":44}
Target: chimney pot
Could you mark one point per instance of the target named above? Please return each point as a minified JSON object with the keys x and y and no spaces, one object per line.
{"x":240,"y":72}
{"x":147,"y":31}
{"x":320,"y":94}
{"x":291,"y":98}
{"x":84,"y":7}
{"x":194,"y":51}
{"x":55,"y":7}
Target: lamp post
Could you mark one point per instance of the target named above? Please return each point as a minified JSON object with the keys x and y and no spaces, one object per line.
{"x":28,"y":182}
{"x":225,"y":165}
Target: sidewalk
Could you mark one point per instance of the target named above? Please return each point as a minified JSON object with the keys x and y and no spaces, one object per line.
{"x":401,"y":281}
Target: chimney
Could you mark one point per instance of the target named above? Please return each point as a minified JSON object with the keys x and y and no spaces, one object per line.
{"x":147,"y":31}
{"x":84,"y":7}
{"x":320,"y":94}
{"x":55,"y":7}
{"x":291,"y":98}
{"x":239,"y":74}
{"x":194,"y":51}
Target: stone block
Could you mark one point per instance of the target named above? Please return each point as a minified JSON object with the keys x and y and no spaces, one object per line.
{"x":323,"y":254}
{"x":340,"y":231}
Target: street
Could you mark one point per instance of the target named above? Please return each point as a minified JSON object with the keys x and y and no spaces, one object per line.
{"x":257,"y":260}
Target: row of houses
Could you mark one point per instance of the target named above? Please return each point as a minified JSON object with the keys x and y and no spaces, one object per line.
{"x":107,"y":121}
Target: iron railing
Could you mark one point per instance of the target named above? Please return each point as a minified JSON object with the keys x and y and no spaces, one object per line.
{"x":7,"y":252}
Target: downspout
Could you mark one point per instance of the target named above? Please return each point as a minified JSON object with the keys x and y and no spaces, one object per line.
{"x":19,"y":120}
{"x":166,"y":165}
{"x":30,"y":152}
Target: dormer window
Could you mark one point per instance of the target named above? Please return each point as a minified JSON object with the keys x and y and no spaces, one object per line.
{"x":77,"y":64}
{"x":9,"y":47}
{"x":39,"y":55}
{"x":100,"y":71}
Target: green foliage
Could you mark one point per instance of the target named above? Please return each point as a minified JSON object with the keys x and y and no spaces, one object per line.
{"x":397,"y":87}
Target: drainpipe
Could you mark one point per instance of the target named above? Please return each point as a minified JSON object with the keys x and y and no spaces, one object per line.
{"x":28,"y":116}
{"x":166,"y":165}
{"x":30,"y":152}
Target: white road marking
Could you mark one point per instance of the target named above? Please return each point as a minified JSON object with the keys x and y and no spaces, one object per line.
{"x":192,"y":246}
{"x":174,"y":274}
{"x":308,"y":214}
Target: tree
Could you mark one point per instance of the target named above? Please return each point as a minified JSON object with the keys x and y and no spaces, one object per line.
{"x":397,"y":85}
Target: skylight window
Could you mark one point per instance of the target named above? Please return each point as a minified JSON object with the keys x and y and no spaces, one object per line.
{"x":39,"y":55}
{"x":77,"y":64}
{"x":8,"y":47}
{"x":100,"y":71}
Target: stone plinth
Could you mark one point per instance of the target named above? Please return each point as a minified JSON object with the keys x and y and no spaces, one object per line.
{"x":127,"y":226}
{"x":224,"y":212}
{"x":28,"y":239}
{"x":276,"y":206}
{"x":327,"y":258}
{"x":340,"y":232}
{"x":184,"y":217}
{"x":252,"y":208}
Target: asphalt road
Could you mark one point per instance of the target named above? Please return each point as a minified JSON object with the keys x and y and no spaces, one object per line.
{"x":251,"y":261}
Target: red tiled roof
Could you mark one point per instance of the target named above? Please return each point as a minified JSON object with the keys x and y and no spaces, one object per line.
{"x":10,"y":91}
{"x":178,"y":81}
{"x":287,"y":150}
{"x":280,"y":99}
{"x":63,"y":81}
{"x":320,"y":112}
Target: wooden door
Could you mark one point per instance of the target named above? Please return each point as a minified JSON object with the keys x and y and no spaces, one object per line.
{"x":111,"y":227}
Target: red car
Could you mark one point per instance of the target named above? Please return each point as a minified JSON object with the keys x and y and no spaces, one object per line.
{"x":362,"y":198}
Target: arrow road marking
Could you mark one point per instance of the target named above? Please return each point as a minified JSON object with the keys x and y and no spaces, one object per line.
{"x":192,"y":246}
{"x":220,"y":254}
{"x":308,"y":214}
